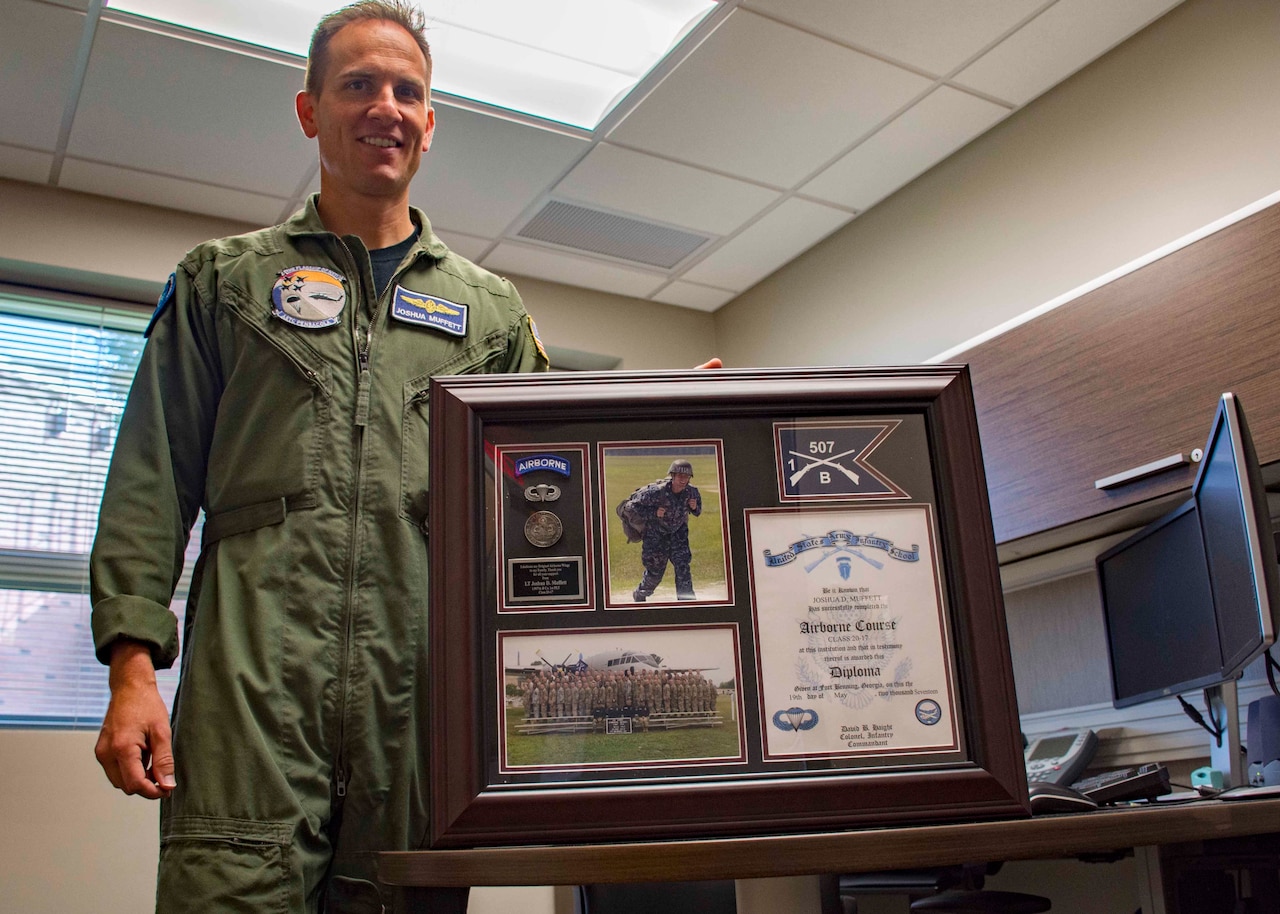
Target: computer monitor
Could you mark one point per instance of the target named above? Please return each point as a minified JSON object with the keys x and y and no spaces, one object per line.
{"x":1190,"y":600}
{"x":1238,"y":541}
{"x":1157,"y":603}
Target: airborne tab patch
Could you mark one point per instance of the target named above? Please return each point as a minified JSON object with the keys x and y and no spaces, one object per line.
{"x":429,"y":311}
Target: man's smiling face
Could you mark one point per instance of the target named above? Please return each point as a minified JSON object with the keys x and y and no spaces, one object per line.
{"x":372,"y":116}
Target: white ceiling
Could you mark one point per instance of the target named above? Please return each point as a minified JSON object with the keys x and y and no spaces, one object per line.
{"x":772,"y":125}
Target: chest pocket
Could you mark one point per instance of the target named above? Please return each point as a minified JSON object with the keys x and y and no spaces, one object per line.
{"x":415,"y":441}
{"x":273,"y":417}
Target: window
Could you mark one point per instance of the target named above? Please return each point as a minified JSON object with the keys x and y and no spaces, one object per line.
{"x":65,"y":371}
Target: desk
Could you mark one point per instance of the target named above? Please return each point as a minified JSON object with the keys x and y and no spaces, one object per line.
{"x":440,"y":878}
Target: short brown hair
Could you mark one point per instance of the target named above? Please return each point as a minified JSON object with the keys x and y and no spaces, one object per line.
{"x":400,"y":12}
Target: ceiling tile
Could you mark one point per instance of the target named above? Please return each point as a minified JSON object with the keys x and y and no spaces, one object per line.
{"x":573,"y":271}
{"x":933,"y":36}
{"x":692,"y":295}
{"x":25,"y":164}
{"x":663,"y":191}
{"x":767,"y":102}
{"x":482,"y":172}
{"x":783,"y":234}
{"x":924,"y":135}
{"x":178,"y":108}
{"x":37,"y":47}
{"x":174,"y":193}
{"x":1055,"y":44}
{"x":469,"y":246}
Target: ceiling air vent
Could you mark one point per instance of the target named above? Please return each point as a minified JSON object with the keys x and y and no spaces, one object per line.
{"x":572,"y":226}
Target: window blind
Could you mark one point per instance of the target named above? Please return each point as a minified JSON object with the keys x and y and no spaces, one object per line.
{"x":65,"y":372}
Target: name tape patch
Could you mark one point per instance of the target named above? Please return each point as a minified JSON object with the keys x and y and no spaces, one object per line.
{"x":429,"y":311}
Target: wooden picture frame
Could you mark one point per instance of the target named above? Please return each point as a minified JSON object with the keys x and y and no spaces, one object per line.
{"x":844,"y":664}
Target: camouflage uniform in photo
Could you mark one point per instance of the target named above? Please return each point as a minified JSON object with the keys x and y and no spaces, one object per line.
{"x":664,"y":539}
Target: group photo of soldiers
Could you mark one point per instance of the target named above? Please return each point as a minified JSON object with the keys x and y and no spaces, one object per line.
{"x":620,"y":696}
{"x":572,"y":696}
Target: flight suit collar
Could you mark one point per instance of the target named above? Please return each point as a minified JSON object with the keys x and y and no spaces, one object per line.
{"x":306,"y":221}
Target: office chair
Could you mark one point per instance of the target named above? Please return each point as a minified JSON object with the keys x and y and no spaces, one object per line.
{"x":945,"y":890}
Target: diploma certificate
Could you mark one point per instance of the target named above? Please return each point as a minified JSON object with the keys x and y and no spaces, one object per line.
{"x":852,"y":632}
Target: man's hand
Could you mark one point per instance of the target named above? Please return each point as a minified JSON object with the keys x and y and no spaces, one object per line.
{"x":134,"y":746}
{"x":661,"y":512}
{"x":693,"y":504}
{"x":711,"y":363}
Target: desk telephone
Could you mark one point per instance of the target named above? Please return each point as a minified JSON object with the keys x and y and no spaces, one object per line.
{"x":1060,"y":758}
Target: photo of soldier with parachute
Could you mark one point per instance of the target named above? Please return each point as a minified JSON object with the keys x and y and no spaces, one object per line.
{"x":677,"y":520}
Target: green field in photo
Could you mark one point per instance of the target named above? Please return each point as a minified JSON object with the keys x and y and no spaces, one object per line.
{"x":601,"y":748}
{"x":626,"y":473}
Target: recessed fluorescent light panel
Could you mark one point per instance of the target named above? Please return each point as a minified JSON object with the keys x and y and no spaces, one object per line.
{"x":569,"y":61}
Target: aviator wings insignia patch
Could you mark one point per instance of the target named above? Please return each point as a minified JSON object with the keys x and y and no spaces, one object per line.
{"x":429,"y":311}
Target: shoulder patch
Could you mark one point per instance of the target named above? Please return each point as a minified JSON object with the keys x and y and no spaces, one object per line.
{"x":166,"y":297}
{"x":429,"y":311}
{"x":537,"y":340}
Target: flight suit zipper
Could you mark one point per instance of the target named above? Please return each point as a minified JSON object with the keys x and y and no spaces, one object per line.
{"x":363,"y":351}
{"x":363,"y":380}
{"x":360,"y":420}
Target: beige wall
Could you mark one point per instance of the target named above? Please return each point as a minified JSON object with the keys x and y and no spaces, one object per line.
{"x":71,"y":844}
{"x":46,"y":227}
{"x":124,"y":246}
{"x":643,"y":334}
{"x":1174,"y":129}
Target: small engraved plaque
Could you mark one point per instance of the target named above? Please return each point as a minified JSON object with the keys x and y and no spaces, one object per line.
{"x":544,"y":580}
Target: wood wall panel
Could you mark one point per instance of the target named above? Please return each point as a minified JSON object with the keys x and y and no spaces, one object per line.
{"x":1127,"y":374}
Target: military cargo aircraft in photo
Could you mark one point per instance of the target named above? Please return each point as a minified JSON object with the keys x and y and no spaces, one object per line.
{"x":619,"y":659}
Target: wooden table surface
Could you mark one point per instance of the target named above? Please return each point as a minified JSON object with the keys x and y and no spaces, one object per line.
{"x":833,"y":852}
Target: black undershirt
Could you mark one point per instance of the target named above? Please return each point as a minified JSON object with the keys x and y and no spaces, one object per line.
{"x":385,"y":261}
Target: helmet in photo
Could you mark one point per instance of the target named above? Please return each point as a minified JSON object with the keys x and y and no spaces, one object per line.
{"x":680,"y":466}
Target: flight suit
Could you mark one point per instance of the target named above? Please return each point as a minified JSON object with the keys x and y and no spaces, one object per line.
{"x":300,"y":720}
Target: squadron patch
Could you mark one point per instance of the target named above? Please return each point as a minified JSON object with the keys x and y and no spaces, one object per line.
{"x":429,"y":311}
{"x":308,"y":296}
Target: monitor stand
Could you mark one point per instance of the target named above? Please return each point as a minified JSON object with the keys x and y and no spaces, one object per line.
{"x":1224,"y":751}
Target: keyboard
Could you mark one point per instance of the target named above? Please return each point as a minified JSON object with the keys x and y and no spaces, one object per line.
{"x":1145,"y":782}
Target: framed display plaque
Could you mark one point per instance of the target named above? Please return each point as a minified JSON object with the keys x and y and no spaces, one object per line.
{"x":713,"y":603}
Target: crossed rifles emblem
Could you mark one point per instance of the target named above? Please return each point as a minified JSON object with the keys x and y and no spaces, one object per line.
{"x":816,"y":461}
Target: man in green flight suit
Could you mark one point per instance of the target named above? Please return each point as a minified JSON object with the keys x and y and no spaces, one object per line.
{"x":283,"y":390}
